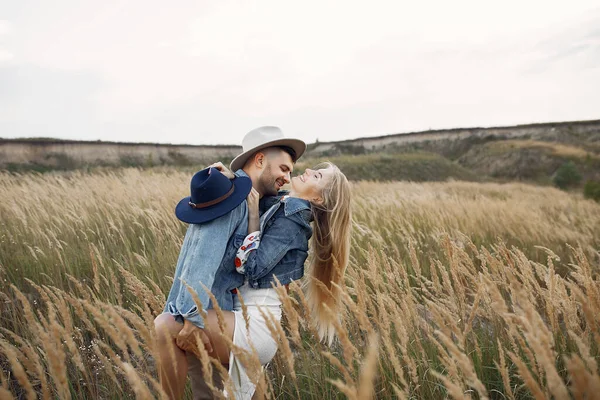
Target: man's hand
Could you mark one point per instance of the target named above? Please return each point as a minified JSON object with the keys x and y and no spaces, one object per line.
{"x":222,"y":169}
{"x":191,"y":336}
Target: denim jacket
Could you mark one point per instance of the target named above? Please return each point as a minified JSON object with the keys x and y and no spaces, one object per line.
{"x":285,"y":230}
{"x":207,"y":257}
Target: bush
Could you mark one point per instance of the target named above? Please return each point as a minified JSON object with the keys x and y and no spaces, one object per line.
{"x":567,"y":176}
{"x":591,"y":190}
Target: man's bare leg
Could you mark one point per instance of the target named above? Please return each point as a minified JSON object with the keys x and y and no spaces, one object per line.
{"x":200,"y":389}
{"x":220,"y":351}
{"x":172,"y":363}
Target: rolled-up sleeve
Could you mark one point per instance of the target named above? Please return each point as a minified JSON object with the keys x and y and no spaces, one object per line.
{"x":250,"y":244}
{"x":201,"y":255}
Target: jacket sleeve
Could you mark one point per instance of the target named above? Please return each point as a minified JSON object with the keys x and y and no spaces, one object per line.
{"x":282,"y":236}
{"x":199,"y":260}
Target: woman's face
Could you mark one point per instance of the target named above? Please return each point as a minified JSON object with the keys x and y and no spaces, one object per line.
{"x":311,"y":183}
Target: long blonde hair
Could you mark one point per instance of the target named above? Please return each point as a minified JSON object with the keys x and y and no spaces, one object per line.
{"x":330,"y":249}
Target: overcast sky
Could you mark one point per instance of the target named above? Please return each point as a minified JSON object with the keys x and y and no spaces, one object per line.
{"x":203,"y":72}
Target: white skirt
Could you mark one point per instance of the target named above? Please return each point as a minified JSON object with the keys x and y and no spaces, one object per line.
{"x":257,"y":335}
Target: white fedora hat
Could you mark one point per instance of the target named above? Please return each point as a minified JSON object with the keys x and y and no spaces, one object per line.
{"x":261,"y":138}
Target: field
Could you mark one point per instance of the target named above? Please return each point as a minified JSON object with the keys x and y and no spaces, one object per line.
{"x":455,"y":289}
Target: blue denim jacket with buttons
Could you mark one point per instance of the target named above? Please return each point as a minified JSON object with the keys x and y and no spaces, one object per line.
{"x":285,"y":231}
{"x":207,"y":258}
{"x":208,"y":254}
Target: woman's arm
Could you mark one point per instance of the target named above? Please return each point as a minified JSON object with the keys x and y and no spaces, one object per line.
{"x":253,"y":213}
{"x":253,"y":199}
{"x":256,"y":259}
{"x":222,"y":169}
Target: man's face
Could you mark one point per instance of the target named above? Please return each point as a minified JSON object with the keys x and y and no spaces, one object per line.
{"x":277,"y":172}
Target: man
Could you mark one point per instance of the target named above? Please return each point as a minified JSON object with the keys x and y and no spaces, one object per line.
{"x":208,"y":253}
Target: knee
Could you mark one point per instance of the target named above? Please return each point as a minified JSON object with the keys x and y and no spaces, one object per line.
{"x":166,"y":327}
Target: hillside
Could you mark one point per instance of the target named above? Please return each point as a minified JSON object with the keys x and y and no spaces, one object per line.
{"x":524,"y":152}
{"x":452,"y":143}
{"x":49,"y":154}
{"x":414,"y":166}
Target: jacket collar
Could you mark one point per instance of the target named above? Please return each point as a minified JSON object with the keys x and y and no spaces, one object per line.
{"x":292,"y":205}
{"x":269,"y":201}
{"x":241,"y":172}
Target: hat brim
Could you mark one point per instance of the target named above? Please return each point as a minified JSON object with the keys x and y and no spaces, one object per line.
{"x":186,"y":213}
{"x":298,"y":145}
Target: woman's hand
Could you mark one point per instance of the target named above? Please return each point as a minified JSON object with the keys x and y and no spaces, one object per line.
{"x":222,"y":169}
{"x":253,"y":214}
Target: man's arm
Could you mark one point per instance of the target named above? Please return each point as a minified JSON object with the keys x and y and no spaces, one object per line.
{"x":207,"y":250}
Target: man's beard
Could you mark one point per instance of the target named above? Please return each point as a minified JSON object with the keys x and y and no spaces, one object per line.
{"x":268,"y":181}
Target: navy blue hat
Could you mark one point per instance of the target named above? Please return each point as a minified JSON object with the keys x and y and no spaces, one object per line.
{"x":212,"y":195}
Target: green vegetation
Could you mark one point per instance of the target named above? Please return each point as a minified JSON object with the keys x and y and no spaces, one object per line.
{"x":179,"y":158}
{"x":531,"y":161}
{"x":591,"y":190}
{"x":417,"y":167}
{"x":567,"y":176}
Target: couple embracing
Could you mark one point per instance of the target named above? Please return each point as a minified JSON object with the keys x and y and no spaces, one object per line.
{"x":244,"y":233}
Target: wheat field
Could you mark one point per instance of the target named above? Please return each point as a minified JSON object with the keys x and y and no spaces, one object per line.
{"x":454,"y":290}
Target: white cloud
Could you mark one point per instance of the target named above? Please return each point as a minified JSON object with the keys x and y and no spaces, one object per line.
{"x":326,"y":69}
{"x":5,"y":56}
{"x":5,"y":27}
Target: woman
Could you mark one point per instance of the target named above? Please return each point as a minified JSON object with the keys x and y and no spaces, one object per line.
{"x":279,"y":249}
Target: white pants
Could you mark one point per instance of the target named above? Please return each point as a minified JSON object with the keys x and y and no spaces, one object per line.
{"x":257,"y":335}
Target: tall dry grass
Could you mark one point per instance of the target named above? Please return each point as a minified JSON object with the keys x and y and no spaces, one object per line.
{"x":454,"y":289}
